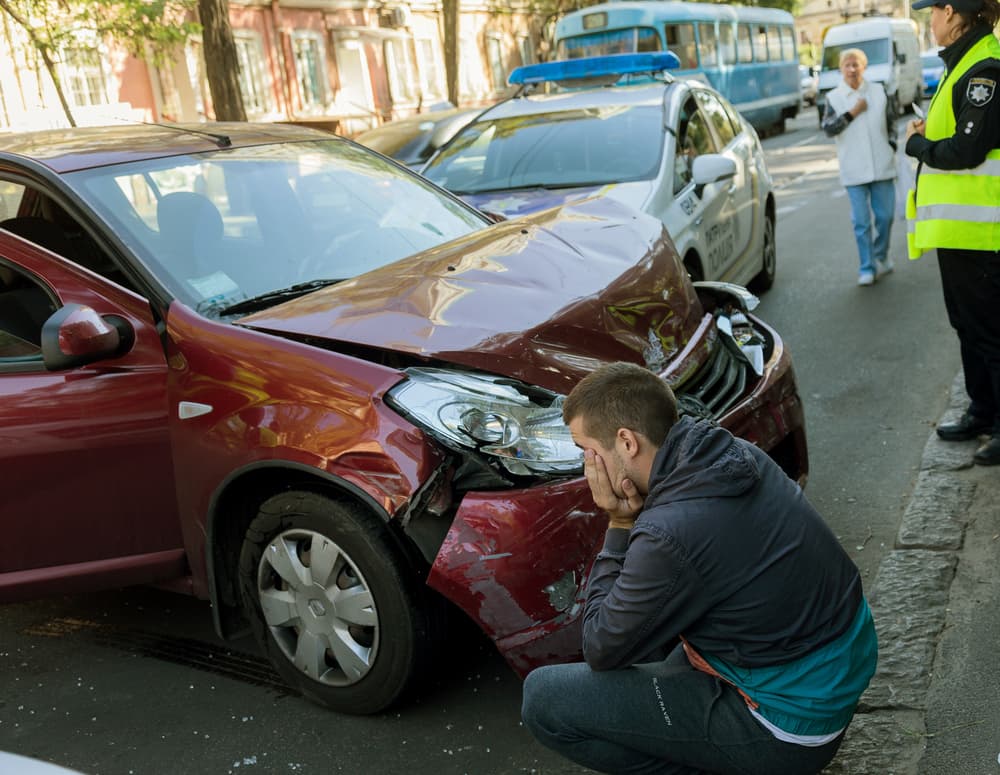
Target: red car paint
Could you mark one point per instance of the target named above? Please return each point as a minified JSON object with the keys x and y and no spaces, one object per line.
{"x":141,"y":467}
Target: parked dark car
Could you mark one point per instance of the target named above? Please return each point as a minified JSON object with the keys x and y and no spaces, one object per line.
{"x":273,"y":369}
{"x":414,"y":140}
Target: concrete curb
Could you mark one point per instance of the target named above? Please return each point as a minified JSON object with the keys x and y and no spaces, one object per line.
{"x":909,"y":601}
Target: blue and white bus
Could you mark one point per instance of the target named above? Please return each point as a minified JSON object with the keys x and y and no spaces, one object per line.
{"x":746,"y":53}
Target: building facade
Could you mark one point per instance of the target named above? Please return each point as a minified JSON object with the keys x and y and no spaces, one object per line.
{"x":342,"y":65}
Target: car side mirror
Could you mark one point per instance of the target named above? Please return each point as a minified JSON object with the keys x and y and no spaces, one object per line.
{"x":76,"y":335}
{"x":901,"y":58}
{"x":711,"y":168}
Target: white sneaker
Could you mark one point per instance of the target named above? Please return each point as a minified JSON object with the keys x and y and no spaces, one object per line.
{"x":883,"y":267}
{"x":866,"y":278}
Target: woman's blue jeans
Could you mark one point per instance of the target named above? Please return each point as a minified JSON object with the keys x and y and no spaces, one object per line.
{"x":663,"y":717}
{"x":876,"y":199}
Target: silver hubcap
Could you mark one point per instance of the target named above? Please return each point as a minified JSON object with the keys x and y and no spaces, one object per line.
{"x":319,"y":607}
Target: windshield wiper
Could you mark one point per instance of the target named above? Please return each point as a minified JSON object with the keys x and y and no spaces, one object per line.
{"x":530,"y":187}
{"x":265,"y":300}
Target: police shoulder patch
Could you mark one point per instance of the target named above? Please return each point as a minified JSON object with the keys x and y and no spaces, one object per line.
{"x":980,"y":91}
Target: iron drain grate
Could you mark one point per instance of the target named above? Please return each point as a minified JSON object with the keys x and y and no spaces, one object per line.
{"x":180,"y":651}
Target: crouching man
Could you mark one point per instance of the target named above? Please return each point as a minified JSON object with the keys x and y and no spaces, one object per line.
{"x":725,"y":628}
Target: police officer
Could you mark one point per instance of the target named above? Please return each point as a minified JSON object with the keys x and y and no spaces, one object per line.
{"x":956,"y":205}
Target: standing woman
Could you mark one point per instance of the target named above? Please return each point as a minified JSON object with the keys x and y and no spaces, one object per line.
{"x":956,"y":203}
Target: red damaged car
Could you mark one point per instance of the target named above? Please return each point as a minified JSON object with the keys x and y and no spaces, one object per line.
{"x":271,"y":368}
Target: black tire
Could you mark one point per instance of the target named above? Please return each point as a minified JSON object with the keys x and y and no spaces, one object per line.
{"x":693,"y":267}
{"x":352,"y":639}
{"x":764,"y":279}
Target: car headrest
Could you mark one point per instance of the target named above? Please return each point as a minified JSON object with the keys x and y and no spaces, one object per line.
{"x":187,"y":218}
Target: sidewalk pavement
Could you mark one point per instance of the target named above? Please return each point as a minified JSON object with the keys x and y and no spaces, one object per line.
{"x":931,"y":709}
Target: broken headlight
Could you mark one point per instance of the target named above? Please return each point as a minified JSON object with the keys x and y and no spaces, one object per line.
{"x":518,"y":426}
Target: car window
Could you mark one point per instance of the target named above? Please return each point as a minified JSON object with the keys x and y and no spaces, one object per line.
{"x":24,"y":306}
{"x":10,"y":199}
{"x":876,"y":50}
{"x":717,"y":116}
{"x":221,"y":227}
{"x":38,"y":218}
{"x":694,"y":138}
{"x":579,"y":147}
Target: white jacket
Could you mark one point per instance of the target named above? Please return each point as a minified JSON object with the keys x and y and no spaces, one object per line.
{"x":863,"y":147}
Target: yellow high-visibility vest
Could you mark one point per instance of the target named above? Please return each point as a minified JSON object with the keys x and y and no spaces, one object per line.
{"x":955,"y":208}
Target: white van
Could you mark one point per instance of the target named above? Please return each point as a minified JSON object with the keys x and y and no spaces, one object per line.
{"x":893,"y":53}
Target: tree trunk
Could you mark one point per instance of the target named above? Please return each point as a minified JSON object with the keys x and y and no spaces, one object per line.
{"x":450,"y":15}
{"x":221,"y":65}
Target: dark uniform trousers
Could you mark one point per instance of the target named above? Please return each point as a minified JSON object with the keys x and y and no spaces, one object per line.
{"x":971,"y":283}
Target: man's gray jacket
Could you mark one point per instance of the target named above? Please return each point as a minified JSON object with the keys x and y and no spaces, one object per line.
{"x":727,"y":552}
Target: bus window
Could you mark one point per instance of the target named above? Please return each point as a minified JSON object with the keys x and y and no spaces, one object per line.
{"x":773,"y":43}
{"x":743,"y":51}
{"x":680,"y":40}
{"x":707,"y":49}
{"x":759,"y":39}
{"x":609,"y":42}
{"x":788,"y":45}
{"x":727,"y":43}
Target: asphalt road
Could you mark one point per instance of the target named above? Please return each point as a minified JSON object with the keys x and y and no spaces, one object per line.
{"x":135,"y":682}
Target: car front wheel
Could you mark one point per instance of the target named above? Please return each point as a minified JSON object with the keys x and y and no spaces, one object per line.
{"x":330,"y":602}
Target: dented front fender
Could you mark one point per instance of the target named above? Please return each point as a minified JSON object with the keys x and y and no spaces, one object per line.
{"x":517,"y":563}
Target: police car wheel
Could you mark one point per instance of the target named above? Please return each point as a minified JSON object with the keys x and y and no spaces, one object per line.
{"x":769,"y":258}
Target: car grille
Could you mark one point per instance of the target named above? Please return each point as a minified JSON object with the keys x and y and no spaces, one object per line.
{"x":718,"y":384}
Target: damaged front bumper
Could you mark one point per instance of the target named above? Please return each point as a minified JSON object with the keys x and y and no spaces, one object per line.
{"x":517,"y":561}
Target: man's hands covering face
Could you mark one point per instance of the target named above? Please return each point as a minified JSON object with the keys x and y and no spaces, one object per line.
{"x":622,"y":509}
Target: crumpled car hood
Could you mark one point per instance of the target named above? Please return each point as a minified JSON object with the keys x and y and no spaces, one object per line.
{"x":516,"y":202}
{"x":544,"y":299}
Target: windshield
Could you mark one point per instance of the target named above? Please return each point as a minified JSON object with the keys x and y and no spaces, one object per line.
{"x":876,"y":50}
{"x":581,"y":147}
{"x":220,"y":227}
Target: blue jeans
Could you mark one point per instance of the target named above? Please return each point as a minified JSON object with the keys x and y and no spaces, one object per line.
{"x":867,"y":199}
{"x":663,"y":717}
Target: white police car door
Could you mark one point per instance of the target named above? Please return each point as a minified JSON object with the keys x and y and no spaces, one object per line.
{"x":742,"y":204}
{"x":700,"y":222}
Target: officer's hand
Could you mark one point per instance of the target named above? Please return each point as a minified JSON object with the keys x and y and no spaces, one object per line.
{"x":859,"y":107}
{"x":915,"y":127}
{"x":622,"y":506}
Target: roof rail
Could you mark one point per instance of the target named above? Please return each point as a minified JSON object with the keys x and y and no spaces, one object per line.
{"x":593,"y":67}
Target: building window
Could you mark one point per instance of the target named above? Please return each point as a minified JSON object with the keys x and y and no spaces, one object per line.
{"x":527,"y":48}
{"x":399,"y":63}
{"x":83,"y":76}
{"x":431,"y":71}
{"x":494,"y":52}
{"x":252,"y":76}
{"x":310,"y":68}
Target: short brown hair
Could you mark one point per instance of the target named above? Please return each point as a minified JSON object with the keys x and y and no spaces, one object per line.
{"x":622,"y":395}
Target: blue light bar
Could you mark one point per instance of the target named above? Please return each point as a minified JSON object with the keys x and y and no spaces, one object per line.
{"x":593,"y":67}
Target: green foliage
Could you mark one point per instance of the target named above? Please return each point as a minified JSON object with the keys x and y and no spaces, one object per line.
{"x":55,"y":24}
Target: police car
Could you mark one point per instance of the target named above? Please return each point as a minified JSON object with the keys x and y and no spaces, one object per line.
{"x":622,"y":127}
